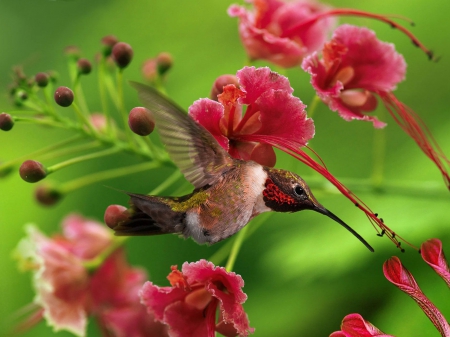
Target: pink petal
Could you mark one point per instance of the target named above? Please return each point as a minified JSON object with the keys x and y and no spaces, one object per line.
{"x":397,"y":274}
{"x":264,"y":155}
{"x":261,"y":44}
{"x":157,"y":299}
{"x":115,"y":283}
{"x":433,"y":254}
{"x":204,"y":272}
{"x":61,"y":283}
{"x":294,"y":14}
{"x":88,"y":237}
{"x":209,"y":113}
{"x":256,"y":81}
{"x":377,"y":66}
{"x":185,"y":321}
{"x":226,"y":287}
{"x":133,"y":321}
{"x":283,"y":119}
{"x":354,"y":325}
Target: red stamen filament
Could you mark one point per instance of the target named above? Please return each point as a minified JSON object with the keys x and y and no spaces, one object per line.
{"x":354,"y":12}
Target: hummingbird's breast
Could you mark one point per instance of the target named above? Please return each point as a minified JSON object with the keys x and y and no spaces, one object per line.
{"x":230,"y":205}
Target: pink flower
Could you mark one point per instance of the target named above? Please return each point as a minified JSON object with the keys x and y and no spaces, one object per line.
{"x":273,"y":118}
{"x":354,"y":69}
{"x":354,"y":325}
{"x":269,"y":32}
{"x":433,"y":254}
{"x":272,"y":113}
{"x":189,"y":306}
{"x":114,"y":299}
{"x":398,"y":275}
{"x":284,"y":32}
{"x":67,"y":292}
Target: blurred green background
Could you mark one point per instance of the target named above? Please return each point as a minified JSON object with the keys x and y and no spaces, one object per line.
{"x":302,"y":272}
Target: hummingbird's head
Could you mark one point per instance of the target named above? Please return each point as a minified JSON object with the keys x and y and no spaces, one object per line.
{"x":287,"y":192}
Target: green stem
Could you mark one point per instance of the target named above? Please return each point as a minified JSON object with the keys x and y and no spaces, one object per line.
{"x":106,"y":175}
{"x":102,"y":92}
{"x":313,"y":105}
{"x":39,"y":152}
{"x":379,"y":154}
{"x":166,"y":183}
{"x":122,"y":110}
{"x":83,"y":118}
{"x":96,"y":262}
{"x":70,"y":150}
{"x":80,"y":159}
{"x":48,"y":122}
{"x":237,"y":244}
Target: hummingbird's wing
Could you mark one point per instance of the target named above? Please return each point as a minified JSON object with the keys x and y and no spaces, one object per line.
{"x":192,"y":148}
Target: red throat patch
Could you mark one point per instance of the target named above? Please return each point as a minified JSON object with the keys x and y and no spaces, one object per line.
{"x":273,"y":193}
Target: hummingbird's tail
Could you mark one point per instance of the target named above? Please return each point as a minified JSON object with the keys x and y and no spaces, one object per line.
{"x":149,"y":215}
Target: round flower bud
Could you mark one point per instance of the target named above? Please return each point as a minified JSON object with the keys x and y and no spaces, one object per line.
{"x":164,"y":62}
{"x":122,"y":54}
{"x":47,"y":195}
{"x":84,"y":66}
{"x":108,"y":43}
{"x":141,"y":121}
{"x":32,"y":171}
{"x":6,"y":122}
{"x":114,"y":215}
{"x":41,"y":79}
{"x":220,"y":82}
{"x":64,"y":96}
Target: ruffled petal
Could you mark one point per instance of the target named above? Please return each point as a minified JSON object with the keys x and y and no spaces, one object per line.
{"x":209,"y":113}
{"x":256,"y":81}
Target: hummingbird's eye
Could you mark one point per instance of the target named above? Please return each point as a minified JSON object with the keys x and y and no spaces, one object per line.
{"x":299,"y":190}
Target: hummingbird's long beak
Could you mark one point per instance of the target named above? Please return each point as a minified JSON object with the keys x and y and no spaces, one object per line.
{"x":324,"y":211}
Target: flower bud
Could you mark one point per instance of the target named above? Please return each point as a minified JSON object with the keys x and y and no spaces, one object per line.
{"x":164,"y":62}
{"x":64,"y":96}
{"x":108,"y":43}
{"x":32,"y":171}
{"x":84,"y":66}
{"x":141,"y":121}
{"x":41,"y":79}
{"x":53,"y":76}
{"x":47,"y":195}
{"x":114,"y":215}
{"x":220,"y":82}
{"x":72,"y":52}
{"x":19,"y":97}
{"x":6,"y":122}
{"x":122,"y":54}
{"x":149,"y":70}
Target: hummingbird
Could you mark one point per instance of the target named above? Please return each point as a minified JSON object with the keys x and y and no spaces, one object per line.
{"x":228,"y":192}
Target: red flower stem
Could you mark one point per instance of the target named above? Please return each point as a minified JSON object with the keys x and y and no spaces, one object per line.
{"x":413,"y":125}
{"x":355,"y":12}
{"x":294,"y":150}
{"x":231,"y":120}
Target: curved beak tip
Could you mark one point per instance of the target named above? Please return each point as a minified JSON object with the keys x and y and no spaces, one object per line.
{"x":322,"y":210}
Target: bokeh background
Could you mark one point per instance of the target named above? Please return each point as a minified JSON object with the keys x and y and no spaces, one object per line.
{"x":302,"y":272}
